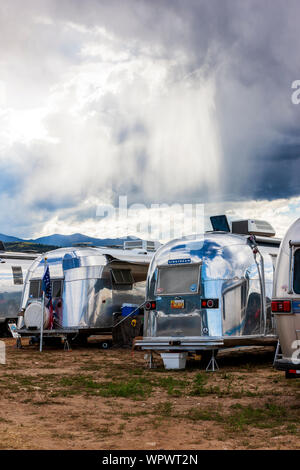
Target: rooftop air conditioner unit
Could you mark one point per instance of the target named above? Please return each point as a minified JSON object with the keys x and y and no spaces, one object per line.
{"x":253,"y":227}
{"x":146,"y":245}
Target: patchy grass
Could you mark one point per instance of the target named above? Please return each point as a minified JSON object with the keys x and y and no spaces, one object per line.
{"x":201,"y":388}
{"x":197,"y":414}
{"x":133,"y":388}
{"x":79,"y":384}
{"x":164,"y":409}
{"x":88,"y":398}
{"x":269,"y":416}
{"x":174,"y":387}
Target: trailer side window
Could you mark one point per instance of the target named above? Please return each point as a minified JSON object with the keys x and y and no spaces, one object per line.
{"x":296,"y":284}
{"x":122,"y":276}
{"x":175,"y":280}
{"x":17,"y":274}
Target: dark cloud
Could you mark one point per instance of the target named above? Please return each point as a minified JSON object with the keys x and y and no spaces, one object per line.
{"x":250,"y":49}
{"x":176,"y":143}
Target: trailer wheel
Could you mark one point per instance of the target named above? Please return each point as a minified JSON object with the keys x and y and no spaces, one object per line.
{"x":34,"y":340}
{"x":105,"y":344}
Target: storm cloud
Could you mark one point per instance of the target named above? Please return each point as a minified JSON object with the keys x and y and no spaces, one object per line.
{"x":164,"y":101}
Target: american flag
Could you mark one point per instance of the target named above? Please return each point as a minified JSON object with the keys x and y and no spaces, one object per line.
{"x":46,"y":287}
{"x":46,"y":284}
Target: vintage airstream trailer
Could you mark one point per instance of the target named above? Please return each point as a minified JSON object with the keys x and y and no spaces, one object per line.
{"x":13,"y":270}
{"x":88,"y":286}
{"x":211,"y":291}
{"x":286,"y":302}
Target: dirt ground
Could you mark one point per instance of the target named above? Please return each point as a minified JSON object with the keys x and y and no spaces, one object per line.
{"x":90,"y":398}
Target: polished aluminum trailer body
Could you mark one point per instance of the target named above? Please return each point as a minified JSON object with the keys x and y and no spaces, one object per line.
{"x":13,"y":271}
{"x":217,"y":266}
{"x":286,"y":300}
{"x":88,"y":286}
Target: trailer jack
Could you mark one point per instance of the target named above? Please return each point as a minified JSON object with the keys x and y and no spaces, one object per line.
{"x":150,"y":360}
{"x":212,"y":365}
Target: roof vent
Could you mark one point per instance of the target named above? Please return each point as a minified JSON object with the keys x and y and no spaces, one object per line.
{"x":220,"y":223}
{"x":253,"y":227}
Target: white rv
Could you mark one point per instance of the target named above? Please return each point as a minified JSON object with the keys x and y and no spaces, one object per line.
{"x":89,"y":285}
{"x":13,"y":271}
{"x":286,"y":303}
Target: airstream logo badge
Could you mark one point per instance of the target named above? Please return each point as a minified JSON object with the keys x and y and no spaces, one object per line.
{"x":180,"y":261}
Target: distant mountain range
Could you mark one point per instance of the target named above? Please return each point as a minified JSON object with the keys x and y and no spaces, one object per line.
{"x":67,"y":240}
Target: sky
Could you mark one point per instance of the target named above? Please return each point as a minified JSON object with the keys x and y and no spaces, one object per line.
{"x":162,"y":101}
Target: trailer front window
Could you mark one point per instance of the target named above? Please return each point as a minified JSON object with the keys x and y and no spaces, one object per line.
{"x":57,"y":288}
{"x":35,"y":290}
{"x":296,"y":284}
{"x":176,"y":280}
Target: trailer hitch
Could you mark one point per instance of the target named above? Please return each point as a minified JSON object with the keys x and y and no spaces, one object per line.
{"x":174,"y":343}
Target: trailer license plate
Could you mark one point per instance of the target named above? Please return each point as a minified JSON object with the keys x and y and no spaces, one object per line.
{"x":177,"y":303}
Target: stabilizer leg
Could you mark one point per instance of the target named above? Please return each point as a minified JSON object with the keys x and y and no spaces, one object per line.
{"x":212,"y":365}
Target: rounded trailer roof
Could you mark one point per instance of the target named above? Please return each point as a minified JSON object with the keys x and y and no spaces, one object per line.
{"x":135,"y":255}
{"x":87,"y":256}
{"x":292,"y":235}
{"x":193,"y":243}
{"x":282,"y":271}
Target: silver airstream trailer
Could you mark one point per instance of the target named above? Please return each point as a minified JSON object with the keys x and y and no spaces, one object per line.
{"x":13,"y":270}
{"x":286,"y":303}
{"x":211,"y":291}
{"x":88,"y":286}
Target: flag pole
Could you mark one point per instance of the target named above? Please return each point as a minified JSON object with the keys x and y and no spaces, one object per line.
{"x":42,"y":317}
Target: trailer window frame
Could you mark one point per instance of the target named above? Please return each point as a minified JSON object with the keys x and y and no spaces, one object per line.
{"x":118,"y":276}
{"x":33,"y":282}
{"x":33,"y":289}
{"x":183,"y":266}
{"x":61,"y":288}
